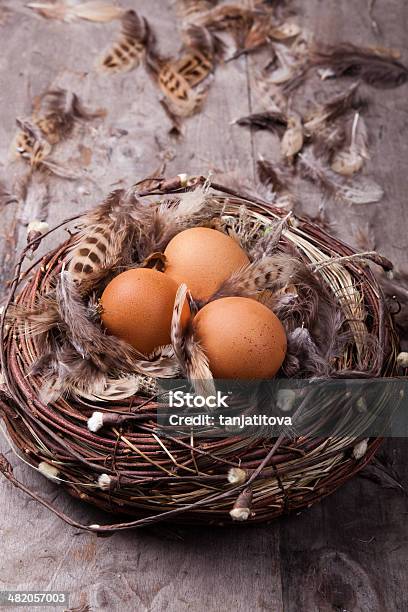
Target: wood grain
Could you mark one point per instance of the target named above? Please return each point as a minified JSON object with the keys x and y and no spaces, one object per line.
{"x":347,"y":553}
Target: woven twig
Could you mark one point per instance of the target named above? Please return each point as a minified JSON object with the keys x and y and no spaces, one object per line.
{"x":126,"y":467}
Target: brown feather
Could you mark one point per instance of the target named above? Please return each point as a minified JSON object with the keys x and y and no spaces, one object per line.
{"x":302,"y":356}
{"x":333,"y":108}
{"x":127,"y":51}
{"x":267,"y":273}
{"x":201,"y":39}
{"x":258,"y":33}
{"x":105,"y":244}
{"x":182,"y":99}
{"x":38,"y":319}
{"x":190,"y":9}
{"x":56,"y":112}
{"x":328,"y":139}
{"x":191,"y":357}
{"x":272,"y":175}
{"x":267,"y":243}
{"x":377,"y":69}
{"x":30,"y":144}
{"x":157,"y":224}
{"x":88,"y":355}
{"x":273,"y":121}
{"x":231,"y":17}
{"x":178,"y":78}
{"x":292,"y":140}
{"x":193,"y":66}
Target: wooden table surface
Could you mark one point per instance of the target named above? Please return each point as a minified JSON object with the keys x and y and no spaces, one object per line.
{"x":348,"y":552}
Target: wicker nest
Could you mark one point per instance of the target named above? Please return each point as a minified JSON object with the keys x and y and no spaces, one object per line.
{"x":126,"y":467}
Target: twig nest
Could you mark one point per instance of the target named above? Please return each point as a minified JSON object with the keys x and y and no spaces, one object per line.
{"x":137,"y":306}
{"x":54,"y":346}
{"x":203,"y":258}
{"x":241,"y":338}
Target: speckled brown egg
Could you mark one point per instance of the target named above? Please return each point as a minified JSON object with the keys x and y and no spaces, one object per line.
{"x":203,"y":258}
{"x":137,"y":306}
{"x":242,"y":338}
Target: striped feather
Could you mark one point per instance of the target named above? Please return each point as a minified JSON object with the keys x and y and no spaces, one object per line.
{"x":105,"y":242}
{"x":268,"y":273}
{"x":193,"y":361}
{"x":127,"y":51}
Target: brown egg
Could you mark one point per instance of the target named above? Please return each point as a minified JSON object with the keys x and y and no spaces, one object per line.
{"x":137,"y":306}
{"x":203,"y":258}
{"x":242,"y":338}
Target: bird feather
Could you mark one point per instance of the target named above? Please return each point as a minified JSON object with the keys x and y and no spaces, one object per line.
{"x":350,"y":160}
{"x":190,"y":355}
{"x":292,"y":140}
{"x":273,"y":121}
{"x":333,"y":108}
{"x":56,"y":112}
{"x":127,"y":51}
{"x":66,"y":10}
{"x":361,"y":191}
{"x":267,"y":273}
{"x":104,"y":244}
{"x":371,"y":66}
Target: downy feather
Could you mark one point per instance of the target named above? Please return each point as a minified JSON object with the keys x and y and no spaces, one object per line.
{"x":303,"y":357}
{"x":353,"y":191}
{"x":332,"y":109}
{"x":115,"y":389}
{"x":158,"y":224}
{"x":88,"y":355}
{"x":272,"y":175}
{"x":349,"y":161}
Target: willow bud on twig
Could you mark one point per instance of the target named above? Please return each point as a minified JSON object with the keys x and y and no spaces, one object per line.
{"x":237,"y":476}
{"x":242,"y":507}
{"x":49,"y":471}
{"x":105,"y":419}
{"x":35,"y":230}
{"x":360,"y":449}
{"x":105,"y":482}
{"x":402,"y":360}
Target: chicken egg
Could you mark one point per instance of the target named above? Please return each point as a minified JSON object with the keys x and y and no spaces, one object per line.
{"x":241,"y":338}
{"x":137,"y":306}
{"x":203,"y":258}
